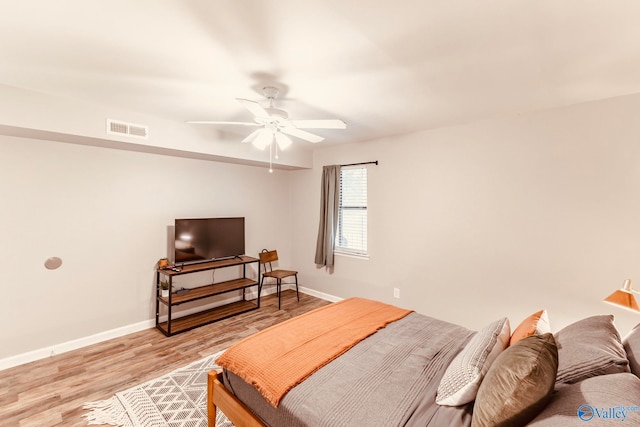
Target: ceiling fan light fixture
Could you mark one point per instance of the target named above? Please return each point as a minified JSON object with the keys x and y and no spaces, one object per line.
{"x":263,"y":139}
{"x":283,"y":140}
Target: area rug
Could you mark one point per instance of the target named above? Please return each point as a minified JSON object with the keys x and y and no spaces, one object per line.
{"x":178,"y":399}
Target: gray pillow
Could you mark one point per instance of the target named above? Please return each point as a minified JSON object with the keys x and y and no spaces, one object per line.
{"x":591,"y":401}
{"x":631,"y":345}
{"x":588,"y":348}
{"x":519,"y":383}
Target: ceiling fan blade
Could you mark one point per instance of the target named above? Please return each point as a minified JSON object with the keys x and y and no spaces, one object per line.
{"x":319,"y":124}
{"x":299,"y":133}
{"x":253,"y":107}
{"x":212,"y":122}
{"x":252,"y":136}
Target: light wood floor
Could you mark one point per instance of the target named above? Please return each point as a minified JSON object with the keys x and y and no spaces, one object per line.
{"x":51,"y":392}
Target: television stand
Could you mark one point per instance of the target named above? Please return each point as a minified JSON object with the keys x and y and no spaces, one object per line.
{"x":175,"y":325}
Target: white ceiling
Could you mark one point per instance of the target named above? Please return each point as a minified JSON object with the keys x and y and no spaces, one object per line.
{"x":384,"y":67}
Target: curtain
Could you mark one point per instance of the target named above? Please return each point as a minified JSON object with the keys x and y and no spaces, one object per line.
{"x":330,"y":198}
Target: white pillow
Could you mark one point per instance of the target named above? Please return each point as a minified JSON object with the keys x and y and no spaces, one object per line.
{"x":464,"y":374}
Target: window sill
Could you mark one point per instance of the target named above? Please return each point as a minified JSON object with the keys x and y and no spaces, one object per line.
{"x":348,"y":255}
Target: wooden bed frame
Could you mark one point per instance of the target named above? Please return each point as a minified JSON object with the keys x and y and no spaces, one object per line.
{"x":219,"y":397}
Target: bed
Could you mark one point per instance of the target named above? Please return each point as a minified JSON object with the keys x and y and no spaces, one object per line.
{"x":363,"y":363}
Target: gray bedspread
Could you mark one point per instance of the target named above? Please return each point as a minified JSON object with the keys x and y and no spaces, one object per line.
{"x":388,"y":379}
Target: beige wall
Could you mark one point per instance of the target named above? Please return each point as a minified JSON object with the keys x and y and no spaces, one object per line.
{"x":105,"y":212}
{"x":496,"y":218}
{"x":471,"y":222}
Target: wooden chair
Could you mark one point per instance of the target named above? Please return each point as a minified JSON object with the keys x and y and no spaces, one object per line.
{"x":267,"y":257}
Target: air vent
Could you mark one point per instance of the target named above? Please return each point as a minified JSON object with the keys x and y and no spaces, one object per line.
{"x":116,"y":127}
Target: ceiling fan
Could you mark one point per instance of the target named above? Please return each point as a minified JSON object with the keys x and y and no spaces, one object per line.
{"x":275,"y":124}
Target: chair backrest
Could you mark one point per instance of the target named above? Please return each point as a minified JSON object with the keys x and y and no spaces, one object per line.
{"x":267,"y":257}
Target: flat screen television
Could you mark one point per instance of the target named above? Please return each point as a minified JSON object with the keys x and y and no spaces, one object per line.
{"x":205,"y":239}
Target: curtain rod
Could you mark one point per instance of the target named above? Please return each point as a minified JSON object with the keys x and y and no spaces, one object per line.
{"x":362,"y":163}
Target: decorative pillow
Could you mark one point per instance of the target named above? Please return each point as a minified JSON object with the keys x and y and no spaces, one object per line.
{"x":536,"y":324}
{"x":590,"y":347}
{"x":631,"y":344}
{"x":596,"y":401}
{"x":519,"y":383}
{"x":462,"y":377}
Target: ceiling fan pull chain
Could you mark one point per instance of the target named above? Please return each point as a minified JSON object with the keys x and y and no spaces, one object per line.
{"x":270,"y":150}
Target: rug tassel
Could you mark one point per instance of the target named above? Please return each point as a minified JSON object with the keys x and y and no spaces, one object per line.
{"x":108,"y":411}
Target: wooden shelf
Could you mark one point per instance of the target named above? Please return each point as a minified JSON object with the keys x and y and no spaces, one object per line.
{"x":181,"y":324}
{"x":185,"y":323}
{"x":208,"y":291}
{"x":208,"y":265}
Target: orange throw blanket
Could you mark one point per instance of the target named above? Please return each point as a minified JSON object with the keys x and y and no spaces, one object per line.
{"x":278,"y":358}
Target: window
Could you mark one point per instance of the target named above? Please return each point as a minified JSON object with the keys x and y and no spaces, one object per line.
{"x":352,"y":211}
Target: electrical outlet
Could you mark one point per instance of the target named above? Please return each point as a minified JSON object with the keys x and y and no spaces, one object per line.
{"x":396,"y":292}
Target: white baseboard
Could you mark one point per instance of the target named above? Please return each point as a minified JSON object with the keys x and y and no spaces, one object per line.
{"x":318,"y":294}
{"x":49,"y":351}
{"x":45,"y":352}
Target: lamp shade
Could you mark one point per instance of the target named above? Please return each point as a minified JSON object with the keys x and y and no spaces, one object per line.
{"x":624,"y":297}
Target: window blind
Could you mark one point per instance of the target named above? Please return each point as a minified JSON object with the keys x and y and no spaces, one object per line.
{"x":352,"y":211}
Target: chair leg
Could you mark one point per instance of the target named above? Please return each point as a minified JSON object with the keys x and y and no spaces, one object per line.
{"x":279,"y":290}
{"x":260,"y":290}
{"x":297,"y":294}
